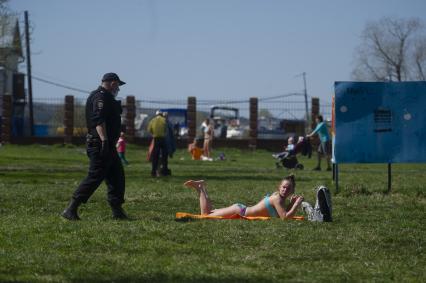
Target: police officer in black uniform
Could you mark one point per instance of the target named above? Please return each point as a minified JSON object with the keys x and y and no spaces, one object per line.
{"x":103,"y":125}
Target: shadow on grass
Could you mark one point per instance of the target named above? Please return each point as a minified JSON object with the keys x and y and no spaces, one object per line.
{"x":183,"y":178}
{"x":161,"y":277}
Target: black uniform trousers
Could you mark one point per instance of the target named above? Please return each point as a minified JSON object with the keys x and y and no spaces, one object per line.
{"x":160,"y":149}
{"x":108,"y":168}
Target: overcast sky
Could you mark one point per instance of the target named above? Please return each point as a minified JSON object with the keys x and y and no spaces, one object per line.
{"x":227,"y":49}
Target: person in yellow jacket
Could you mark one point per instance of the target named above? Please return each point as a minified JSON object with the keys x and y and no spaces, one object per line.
{"x":157,"y":127}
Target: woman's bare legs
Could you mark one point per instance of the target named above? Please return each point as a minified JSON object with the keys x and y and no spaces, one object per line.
{"x":209,"y":146}
{"x":200,"y":186}
{"x":226,"y":211}
{"x":206,"y":148}
{"x":205,"y":203}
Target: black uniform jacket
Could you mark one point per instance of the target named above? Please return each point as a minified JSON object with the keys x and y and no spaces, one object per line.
{"x":101,"y":107}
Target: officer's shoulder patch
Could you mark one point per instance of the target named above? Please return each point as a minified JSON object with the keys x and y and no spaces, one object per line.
{"x":100,"y":104}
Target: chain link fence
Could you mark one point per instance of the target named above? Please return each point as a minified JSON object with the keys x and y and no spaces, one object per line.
{"x":278,"y":116}
{"x":282,"y":116}
{"x":230,"y":118}
{"x":146,"y":109}
{"x":48,"y":115}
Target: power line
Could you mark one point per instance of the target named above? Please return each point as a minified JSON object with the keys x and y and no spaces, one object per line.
{"x":280,"y":96}
{"x":60,"y":85}
{"x":164,"y":102}
{"x":209,"y":102}
{"x":50,"y":82}
{"x":201,"y":101}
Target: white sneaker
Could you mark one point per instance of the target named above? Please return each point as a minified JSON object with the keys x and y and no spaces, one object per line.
{"x":307,"y":209}
{"x":313,"y":214}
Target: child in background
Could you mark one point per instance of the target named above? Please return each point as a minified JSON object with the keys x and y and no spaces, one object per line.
{"x":288,"y":149}
{"x":195,"y":151}
{"x":121,"y":148}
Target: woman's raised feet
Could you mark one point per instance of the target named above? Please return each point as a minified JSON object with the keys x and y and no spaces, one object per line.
{"x":196,"y":184}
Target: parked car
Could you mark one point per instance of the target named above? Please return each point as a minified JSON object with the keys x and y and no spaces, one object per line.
{"x":270,"y":128}
{"x":226,"y":122}
{"x":179,"y":119}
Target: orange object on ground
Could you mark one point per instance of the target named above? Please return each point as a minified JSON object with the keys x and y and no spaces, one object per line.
{"x":183,"y":216}
{"x":196,"y":153}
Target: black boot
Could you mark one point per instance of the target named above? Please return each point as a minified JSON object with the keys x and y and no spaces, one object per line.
{"x":318,"y":168}
{"x":70,"y":212}
{"x":118,"y":212}
{"x":166,"y":172}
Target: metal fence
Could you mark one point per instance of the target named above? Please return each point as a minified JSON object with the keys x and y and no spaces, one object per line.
{"x":48,"y":115}
{"x":146,"y":109}
{"x":325,"y":110}
{"x":230,"y":118}
{"x":272,"y":112}
{"x":282,"y":116}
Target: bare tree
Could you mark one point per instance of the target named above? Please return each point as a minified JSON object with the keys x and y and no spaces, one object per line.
{"x":4,"y":12}
{"x":7,"y":17}
{"x":420,"y":59}
{"x":3,"y":5}
{"x":391,"y":50}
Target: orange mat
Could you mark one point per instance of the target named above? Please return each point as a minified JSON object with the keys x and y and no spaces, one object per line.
{"x":183,"y":216}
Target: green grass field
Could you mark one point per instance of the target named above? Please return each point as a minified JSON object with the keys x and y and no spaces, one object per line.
{"x":374,"y":236}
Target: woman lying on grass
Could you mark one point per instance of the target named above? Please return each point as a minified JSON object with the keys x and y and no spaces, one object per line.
{"x":270,"y":206}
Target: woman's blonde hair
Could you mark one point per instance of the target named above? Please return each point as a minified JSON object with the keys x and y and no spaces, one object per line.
{"x":292,"y":180}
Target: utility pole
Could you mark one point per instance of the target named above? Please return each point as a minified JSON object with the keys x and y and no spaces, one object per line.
{"x":305,"y":92}
{"x":29,"y":78}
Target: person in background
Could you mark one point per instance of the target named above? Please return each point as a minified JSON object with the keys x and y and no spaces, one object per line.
{"x":195,"y":151}
{"x":203,"y":127}
{"x":208,"y":139}
{"x":324,"y":148}
{"x":290,"y":144}
{"x":176,"y":130}
{"x":289,"y":149}
{"x":170,"y":140}
{"x":121,"y":148}
{"x":170,"y":136}
{"x":157,"y":127}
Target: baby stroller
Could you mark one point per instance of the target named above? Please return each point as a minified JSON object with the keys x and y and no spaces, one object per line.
{"x":288,"y":158}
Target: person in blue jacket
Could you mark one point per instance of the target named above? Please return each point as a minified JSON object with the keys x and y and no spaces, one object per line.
{"x":324,"y":148}
{"x":170,"y":136}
